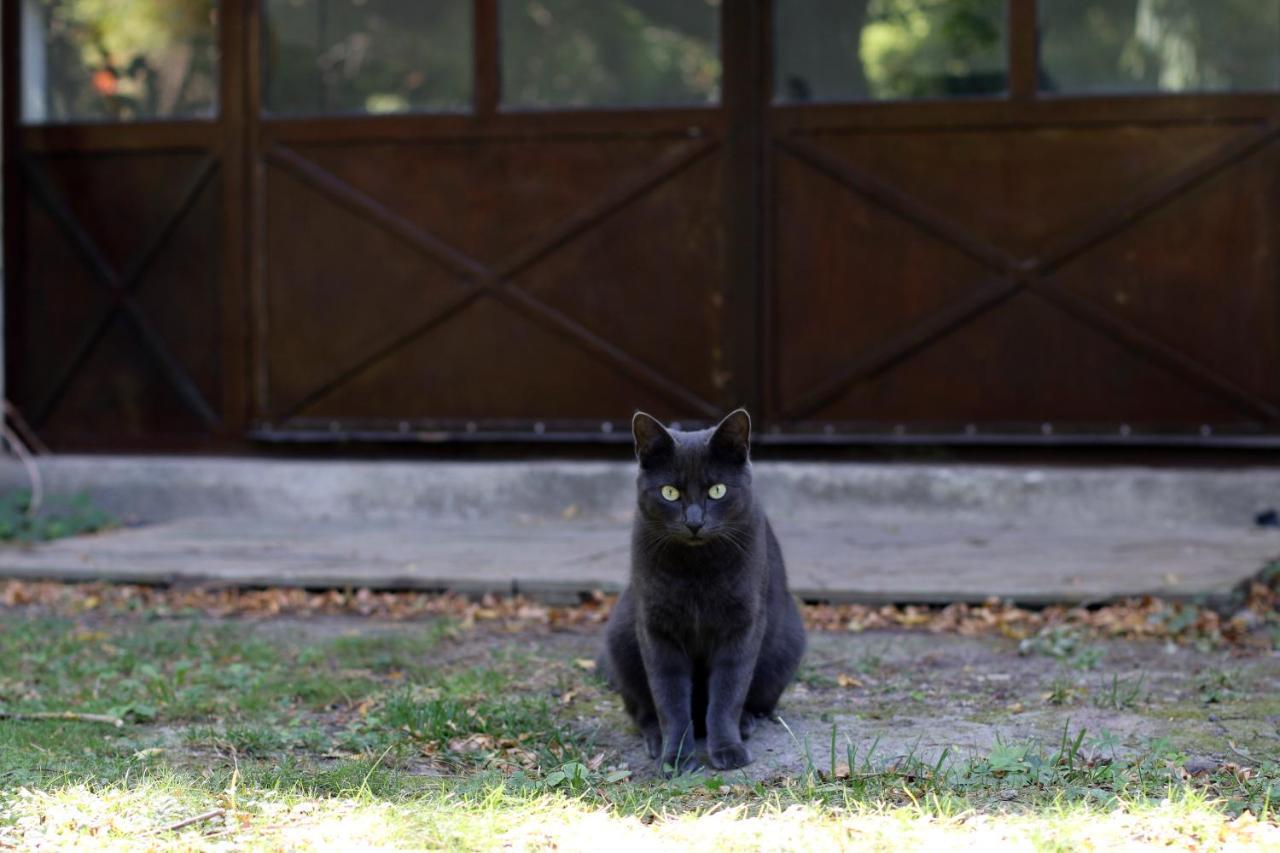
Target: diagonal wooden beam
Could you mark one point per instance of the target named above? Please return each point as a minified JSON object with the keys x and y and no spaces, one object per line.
{"x":1028,"y":274}
{"x":617,"y":198}
{"x":119,"y":287}
{"x":60,"y":386}
{"x":1143,"y":204}
{"x":191,"y":191}
{"x":1130,"y":336}
{"x":495,"y":282}
{"x":452,"y":307}
{"x":902,"y":346}
{"x":329,"y":184}
{"x":566,"y":327}
{"x":899,"y":203}
{"x":85,"y":245}
{"x":173,"y":372}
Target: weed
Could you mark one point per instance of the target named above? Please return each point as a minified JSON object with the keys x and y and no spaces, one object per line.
{"x":1063,"y":643}
{"x":1121,"y":693}
{"x":58,"y":517}
{"x":1218,"y":686}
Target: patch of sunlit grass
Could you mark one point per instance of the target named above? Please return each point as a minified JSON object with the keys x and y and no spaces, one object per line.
{"x":135,"y":815}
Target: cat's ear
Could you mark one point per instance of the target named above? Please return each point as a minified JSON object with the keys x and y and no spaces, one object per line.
{"x":732,"y":437}
{"x":653,"y":442}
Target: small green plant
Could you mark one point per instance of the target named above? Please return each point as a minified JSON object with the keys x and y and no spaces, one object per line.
{"x":1218,"y":686}
{"x":1062,"y":691}
{"x":1065,"y":644}
{"x":57,"y":517}
{"x":1122,"y":693}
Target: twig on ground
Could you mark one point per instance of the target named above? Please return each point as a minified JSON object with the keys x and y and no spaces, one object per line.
{"x":270,"y":827}
{"x":74,"y":716}
{"x":200,"y":818}
{"x":1226,"y":734}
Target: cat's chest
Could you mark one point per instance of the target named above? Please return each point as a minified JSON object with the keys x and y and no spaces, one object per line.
{"x":699,"y":617}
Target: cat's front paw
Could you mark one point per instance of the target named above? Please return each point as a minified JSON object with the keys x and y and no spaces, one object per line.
{"x":729,"y":757}
{"x":674,"y":765}
{"x":653,"y":740}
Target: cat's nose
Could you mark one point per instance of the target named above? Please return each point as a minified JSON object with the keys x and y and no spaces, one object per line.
{"x":693,"y":519}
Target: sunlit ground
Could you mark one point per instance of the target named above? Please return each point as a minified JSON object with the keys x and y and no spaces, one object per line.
{"x":127,"y":815}
{"x":353,"y":733}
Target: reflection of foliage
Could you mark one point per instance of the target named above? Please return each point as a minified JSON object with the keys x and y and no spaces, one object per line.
{"x":123,"y":59}
{"x":335,"y":56}
{"x":886,"y":49}
{"x":344,"y":56}
{"x":625,"y":52}
{"x":922,"y":48}
{"x":1162,"y":45}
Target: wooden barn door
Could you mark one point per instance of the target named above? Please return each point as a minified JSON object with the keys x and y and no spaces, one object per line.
{"x":1024,"y":221}
{"x":123,"y":265}
{"x":492,"y":219}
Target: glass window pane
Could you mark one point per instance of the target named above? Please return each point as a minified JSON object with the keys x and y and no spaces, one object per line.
{"x":853,"y":50}
{"x":1159,"y":45}
{"x":123,"y":60}
{"x":579,"y":53}
{"x":367,"y":56}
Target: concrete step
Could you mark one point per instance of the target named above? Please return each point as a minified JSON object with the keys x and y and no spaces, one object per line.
{"x":872,"y":533}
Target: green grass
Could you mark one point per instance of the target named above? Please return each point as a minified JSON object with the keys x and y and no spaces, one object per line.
{"x":59,"y":516}
{"x":378,"y":739}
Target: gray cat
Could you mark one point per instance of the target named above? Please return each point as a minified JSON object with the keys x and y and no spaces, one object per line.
{"x":706,"y":636}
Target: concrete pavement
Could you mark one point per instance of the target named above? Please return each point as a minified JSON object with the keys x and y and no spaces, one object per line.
{"x":885,"y":532}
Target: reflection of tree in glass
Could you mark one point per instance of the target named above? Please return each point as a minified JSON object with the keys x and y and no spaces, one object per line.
{"x":888,"y":49}
{"x":1160,"y":45}
{"x":123,"y":59}
{"x":353,"y":56}
{"x":926,"y":48}
{"x":602,"y":52}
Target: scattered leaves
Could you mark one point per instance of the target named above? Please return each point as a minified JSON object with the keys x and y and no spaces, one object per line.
{"x":1052,"y":630}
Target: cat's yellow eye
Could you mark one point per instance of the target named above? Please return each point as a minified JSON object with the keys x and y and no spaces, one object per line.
{"x":671,"y":493}
{"x":717,"y":491}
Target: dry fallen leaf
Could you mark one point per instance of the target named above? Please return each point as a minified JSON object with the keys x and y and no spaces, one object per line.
{"x":1145,"y":617}
{"x":848,"y":680}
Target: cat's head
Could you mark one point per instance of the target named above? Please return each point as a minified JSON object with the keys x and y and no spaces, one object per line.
{"x":694,"y":486}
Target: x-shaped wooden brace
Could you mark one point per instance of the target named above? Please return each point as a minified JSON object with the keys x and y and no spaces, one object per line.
{"x":121,"y":287}
{"x":1017,"y":274}
{"x":497,"y":281}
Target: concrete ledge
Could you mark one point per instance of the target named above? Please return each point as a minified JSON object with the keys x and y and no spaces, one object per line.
{"x":870,"y":533}
{"x":157,"y":488}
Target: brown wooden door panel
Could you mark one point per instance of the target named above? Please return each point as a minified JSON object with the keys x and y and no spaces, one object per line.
{"x":492,"y":198}
{"x":120,"y":263}
{"x":489,"y":363}
{"x":1200,"y":273}
{"x":434,"y":281}
{"x":1023,"y":360}
{"x":851,"y":278}
{"x":1018,"y":188}
{"x":340,"y":290}
{"x":1035,"y":277}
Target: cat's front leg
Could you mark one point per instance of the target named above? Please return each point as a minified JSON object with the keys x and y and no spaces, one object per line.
{"x":730,"y":678}
{"x":670,"y":674}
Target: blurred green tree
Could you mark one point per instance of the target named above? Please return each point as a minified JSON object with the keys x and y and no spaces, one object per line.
{"x":119,"y":59}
